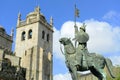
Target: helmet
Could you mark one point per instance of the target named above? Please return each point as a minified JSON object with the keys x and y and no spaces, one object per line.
{"x":83,"y":27}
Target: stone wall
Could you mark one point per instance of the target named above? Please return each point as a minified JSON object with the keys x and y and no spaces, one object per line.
{"x":10,"y":68}
{"x":88,"y":76}
{"x":5,"y":41}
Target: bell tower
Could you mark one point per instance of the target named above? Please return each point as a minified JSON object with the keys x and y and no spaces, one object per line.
{"x":34,"y":44}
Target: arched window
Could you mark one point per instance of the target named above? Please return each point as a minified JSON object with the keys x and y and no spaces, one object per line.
{"x":23,"y":36}
{"x":43,"y":34}
{"x":48,"y":37}
{"x":30,"y":34}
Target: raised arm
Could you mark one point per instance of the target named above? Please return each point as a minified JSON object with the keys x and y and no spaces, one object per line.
{"x":76,"y":29}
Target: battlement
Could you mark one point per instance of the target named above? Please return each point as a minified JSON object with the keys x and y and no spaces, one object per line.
{"x":6,"y":36}
{"x":5,"y":40}
{"x":34,"y":17}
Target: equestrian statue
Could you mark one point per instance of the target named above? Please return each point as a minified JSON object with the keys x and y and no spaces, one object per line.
{"x":78,"y":58}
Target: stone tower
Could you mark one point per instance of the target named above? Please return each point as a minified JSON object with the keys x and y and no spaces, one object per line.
{"x":5,"y":39}
{"x":34,"y":42}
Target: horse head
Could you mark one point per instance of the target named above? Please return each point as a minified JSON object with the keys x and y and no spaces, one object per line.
{"x":65,"y":41}
{"x":68,"y":46}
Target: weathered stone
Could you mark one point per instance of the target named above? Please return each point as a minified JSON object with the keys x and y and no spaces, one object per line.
{"x":35,"y":51}
{"x":32,"y":59}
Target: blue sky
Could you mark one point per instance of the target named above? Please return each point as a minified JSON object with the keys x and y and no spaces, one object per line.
{"x":61,"y":10}
{"x":100,"y":12}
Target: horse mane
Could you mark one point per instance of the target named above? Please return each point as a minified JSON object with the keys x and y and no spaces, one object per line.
{"x":70,"y":47}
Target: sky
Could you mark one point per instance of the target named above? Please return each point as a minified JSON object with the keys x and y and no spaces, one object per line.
{"x":102,"y":18}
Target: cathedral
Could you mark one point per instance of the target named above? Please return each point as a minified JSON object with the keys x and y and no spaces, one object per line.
{"x":32,"y":58}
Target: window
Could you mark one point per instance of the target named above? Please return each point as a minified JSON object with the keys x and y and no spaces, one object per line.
{"x":23,"y":36}
{"x":48,"y":37}
{"x":25,"y":52}
{"x":30,"y":34}
{"x":43,"y":34}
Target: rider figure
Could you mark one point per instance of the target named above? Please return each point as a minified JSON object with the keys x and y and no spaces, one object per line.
{"x":81,"y":38}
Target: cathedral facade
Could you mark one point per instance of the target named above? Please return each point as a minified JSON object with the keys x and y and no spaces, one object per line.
{"x":32,"y":57}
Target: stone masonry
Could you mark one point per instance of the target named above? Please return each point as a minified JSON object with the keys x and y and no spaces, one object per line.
{"x":32,"y":58}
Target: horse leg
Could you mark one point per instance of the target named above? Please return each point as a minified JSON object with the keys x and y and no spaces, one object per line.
{"x":99,"y":73}
{"x":74,"y":73}
{"x":103,"y":74}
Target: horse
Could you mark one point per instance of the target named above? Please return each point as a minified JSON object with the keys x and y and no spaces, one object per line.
{"x":96,"y":62}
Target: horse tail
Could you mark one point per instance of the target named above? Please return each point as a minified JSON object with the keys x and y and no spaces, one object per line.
{"x":109,"y":67}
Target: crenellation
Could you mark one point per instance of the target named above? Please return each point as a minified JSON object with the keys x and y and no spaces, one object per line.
{"x":32,"y":57}
{"x":22,"y":23}
{"x":6,"y":36}
{"x":14,"y":59}
{"x":5,"y":39}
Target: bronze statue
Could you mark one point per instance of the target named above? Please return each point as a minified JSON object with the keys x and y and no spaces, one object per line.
{"x":81,"y":37}
{"x":79,"y":59}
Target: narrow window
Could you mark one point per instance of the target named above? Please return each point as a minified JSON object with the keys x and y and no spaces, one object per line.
{"x":23,"y":36}
{"x":30,"y":34}
{"x":43,"y":34}
{"x":48,"y":37}
{"x":25,"y":52}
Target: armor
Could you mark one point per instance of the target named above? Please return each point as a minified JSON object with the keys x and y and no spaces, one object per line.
{"x":81,"y":37}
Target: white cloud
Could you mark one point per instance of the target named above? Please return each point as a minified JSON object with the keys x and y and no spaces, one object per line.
{"x":115,"y":60}
{"x":56,"y":44}
{"x":104,"y":38}
{"x":67,"y":30}
{"x":66,"y":76}
{"x":112,"y":17}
